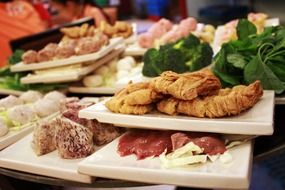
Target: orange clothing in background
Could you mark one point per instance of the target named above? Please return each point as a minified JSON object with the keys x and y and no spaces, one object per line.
{"x":17,"y":19}
{"x":98,"y":15}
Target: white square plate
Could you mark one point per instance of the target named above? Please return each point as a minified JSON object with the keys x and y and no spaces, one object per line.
{"x":68,"y":61}
{"x":106,"y":162}
{"x":20,"y":156}
{"x":255,"y":121}
{"x":75,"y":75}
{"x":92,"y":90}
{"x":14,"y":136}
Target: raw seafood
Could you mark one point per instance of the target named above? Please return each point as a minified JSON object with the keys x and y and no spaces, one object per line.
{"x":228,"y":102}
{"x":187,"y":86}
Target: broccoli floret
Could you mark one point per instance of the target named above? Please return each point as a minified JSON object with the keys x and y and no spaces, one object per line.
{"x":200,"y":57}
{"x":171,"y":60}
{"x":187,"y":54}
{"x":150,"y":58}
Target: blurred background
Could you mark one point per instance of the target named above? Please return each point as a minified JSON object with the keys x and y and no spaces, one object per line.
{"x":21,"y":18}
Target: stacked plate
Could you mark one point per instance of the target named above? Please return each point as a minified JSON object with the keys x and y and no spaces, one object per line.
{"x":106,"y":162}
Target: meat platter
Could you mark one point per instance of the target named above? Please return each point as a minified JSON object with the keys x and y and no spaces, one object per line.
{"x":68,"y":61}
{"x":107,"y":163}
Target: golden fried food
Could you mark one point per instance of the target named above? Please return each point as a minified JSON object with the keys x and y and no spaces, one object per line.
{"x":226,"y":103}
{"x":142,"y":97}
{"x":120,"y":29}
{"x":75,"y":32}
{"x":134,"y":99}
{"x":83,"y":30}
{"x":71,"y":32}
{"x":187,"y":86}
{"x":136,"y":109}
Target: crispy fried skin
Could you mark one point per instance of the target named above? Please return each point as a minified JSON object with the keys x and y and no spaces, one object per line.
{"x":187,"y":86}
{"x":134,"y":99}
{"x":228,"y":102}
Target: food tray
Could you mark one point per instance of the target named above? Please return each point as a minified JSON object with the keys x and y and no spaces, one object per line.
{"x":71,"y":76}
{"x":106,"y":162}
{"x":256,"y":121}
{"x":19,"y":67}
{"x":20,"y":156}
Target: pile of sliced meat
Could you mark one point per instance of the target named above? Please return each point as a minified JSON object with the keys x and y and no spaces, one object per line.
{"x":165,"y":32}
{"x":72,"y":136}
{"x":147,"y":143}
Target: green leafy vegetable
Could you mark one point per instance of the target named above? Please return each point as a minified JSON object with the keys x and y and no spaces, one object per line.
{"x":16,"y":57}
{"x":10,"y":80}
{"x":187,"y":54}
{"x":253,"y":57}
{"x":245,"y":28}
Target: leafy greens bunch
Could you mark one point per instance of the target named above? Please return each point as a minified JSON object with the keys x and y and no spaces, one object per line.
{"x":187,"y":54}
{"x":253,"y":57}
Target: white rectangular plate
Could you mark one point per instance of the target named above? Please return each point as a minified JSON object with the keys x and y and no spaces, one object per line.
{"x":134,"y":50}
{"x":20,"y":156}
{"x":72,"y":76}
{"x":10,"y":92}
{"x":13,"y":136}
{"x":280,"y":100}
{"x":91,"y":90}
{"x":68,"y":61}
{"x":255,"y":121}
{"x":106,"y":162}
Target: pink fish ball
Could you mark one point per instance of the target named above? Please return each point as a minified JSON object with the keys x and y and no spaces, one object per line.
{"x":189,"y":23}
{"x":165,"y":24}
{"x":146,"y":40}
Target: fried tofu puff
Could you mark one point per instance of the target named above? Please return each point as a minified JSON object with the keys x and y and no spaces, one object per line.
{"x":227,"y":102}
{"x":187,"y":86}
{"x":134,"y":99}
